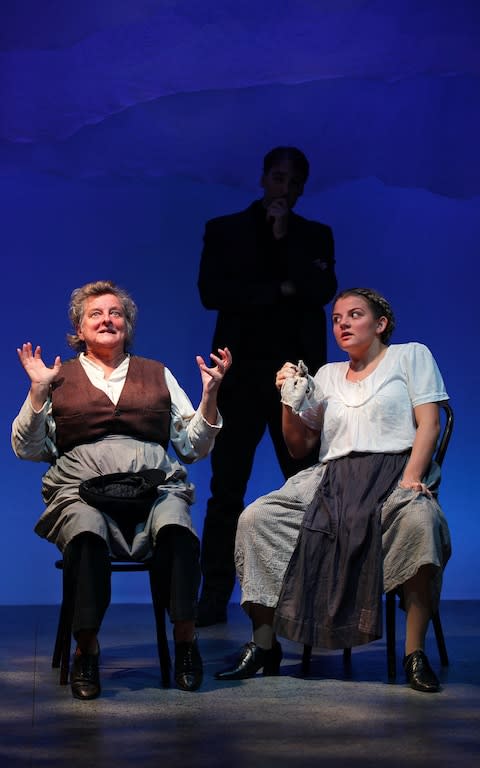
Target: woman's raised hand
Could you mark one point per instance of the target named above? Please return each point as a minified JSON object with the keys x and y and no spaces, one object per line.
{"x":40,"y":375}
{"x":212,"y":377}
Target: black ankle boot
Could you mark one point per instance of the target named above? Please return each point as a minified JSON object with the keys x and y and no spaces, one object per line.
{"x":188,"y":666}
{"x":85,"y":676}
{"x":419,"y":673}
{"x":251,"y":659}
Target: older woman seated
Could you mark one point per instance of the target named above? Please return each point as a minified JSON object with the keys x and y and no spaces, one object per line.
{"x":107,"y":412}
{"x":312,"y":557}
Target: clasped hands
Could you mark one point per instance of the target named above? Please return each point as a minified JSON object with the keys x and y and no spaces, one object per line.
{"x":277,"y":213}
{"x":295,"y":385}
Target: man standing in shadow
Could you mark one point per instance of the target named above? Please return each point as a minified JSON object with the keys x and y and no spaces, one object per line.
{"x":269,"y":273}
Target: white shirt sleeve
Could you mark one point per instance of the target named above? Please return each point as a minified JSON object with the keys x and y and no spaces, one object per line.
{"x":424,"y":380}
{"x":32,"y":433}
{"x":191,"y":436}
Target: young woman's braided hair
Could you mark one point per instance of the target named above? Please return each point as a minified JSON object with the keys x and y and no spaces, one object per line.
{"x":377,"y":303}
{"x":99,"y":288}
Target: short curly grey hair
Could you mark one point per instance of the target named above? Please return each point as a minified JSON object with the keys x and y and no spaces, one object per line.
{"x":377,"y":303}
{"x":76,"y":310}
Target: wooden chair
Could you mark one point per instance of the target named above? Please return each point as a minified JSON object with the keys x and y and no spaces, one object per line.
{"x":61,"y":653}
{"x":390,"y":597}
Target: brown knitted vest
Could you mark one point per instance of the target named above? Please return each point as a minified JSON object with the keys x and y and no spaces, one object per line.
{"x":83,"y":413}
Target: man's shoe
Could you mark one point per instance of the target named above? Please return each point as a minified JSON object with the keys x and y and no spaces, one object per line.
{"x":210,"y":612}
{"x":85,"y":676}
{"x":419,"y":673}
{"x":251,"y":659}
{"x":188,"y":666}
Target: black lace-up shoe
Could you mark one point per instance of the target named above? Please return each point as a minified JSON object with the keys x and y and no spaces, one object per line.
{"x":85,"y":676}
{"x":419,"y":673}
{"x":251,"y":659}
{"x":188,"y":666}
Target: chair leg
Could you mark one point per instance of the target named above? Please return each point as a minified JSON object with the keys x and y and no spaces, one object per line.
{"x":442,"y":648}
{"x":162,"y":641}
{"x":390,"y":608}
{"x":65,"y":664}
{"x":162,"y":645}
{"x":57,"y":651}
{"x":61,"y":652}
{"x":307,"y":655}
{"x":63,"y":640}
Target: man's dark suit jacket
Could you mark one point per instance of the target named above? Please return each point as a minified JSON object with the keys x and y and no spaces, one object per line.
{"x":265,"y":313}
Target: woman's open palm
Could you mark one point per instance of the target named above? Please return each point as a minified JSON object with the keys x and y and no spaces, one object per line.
{"x":35,"y":368}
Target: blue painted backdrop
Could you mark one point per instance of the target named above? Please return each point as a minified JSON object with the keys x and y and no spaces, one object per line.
{"x":125,"y":125}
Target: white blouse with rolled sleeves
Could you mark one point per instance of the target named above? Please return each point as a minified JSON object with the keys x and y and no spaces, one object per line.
{"x":374,"y":415}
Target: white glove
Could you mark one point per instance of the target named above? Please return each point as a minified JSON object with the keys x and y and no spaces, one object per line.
{"x":298,"y":391}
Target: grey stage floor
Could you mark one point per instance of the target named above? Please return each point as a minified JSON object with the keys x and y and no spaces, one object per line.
{"x":336,"y":717}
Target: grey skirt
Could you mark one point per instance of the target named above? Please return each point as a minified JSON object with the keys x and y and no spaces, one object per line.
{"x":413,"y":533}
{"x":66,"y":515}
